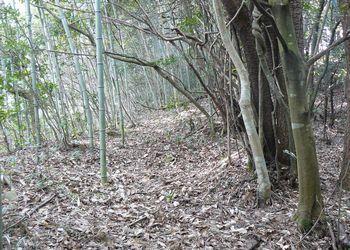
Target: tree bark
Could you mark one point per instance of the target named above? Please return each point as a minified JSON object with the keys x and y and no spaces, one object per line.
{"x":310,"y":199}
{"x":296,"y":9}
{"x":345,"y":171}
{"x":243,"y":27}
{"x":245,"y":103}
{"x":101,"y":91}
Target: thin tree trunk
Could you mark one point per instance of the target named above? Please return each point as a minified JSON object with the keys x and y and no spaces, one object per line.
{"x":6,"y":140}
{"x":33,"y":76}
{"x":78,"y":70}
{"x":61,"y":109}
{"x":101,"y":93}
{"x":19,"y":142}
{"x":117,"y":85}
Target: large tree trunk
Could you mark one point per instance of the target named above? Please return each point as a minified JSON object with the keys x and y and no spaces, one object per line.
{"x":310,"y":200}
{"x":242,"y":25}
{"x":345,"y":172}
{"x":245,"y":103}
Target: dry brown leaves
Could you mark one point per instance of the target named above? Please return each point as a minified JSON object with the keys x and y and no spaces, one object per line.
{"x":164,"y":192}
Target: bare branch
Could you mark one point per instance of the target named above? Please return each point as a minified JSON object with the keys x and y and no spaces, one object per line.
{"x":316,"y":57}
{"x":72,"y":26}
{"x":162,"y":72}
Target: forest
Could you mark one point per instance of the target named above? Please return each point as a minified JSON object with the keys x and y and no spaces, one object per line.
{"x":169,"y":124}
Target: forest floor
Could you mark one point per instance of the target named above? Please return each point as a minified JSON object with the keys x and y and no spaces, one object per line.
{"x":169,"y":188}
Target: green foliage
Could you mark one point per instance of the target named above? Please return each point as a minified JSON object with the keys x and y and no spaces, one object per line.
{"x":17,"y":77}
{"x":129,"y":5}
{"x":5,"y":112}
{"x":75,"y":134}
{"x":344,"y":8}
{"x":304,"y":224}
{"x":174,"y":103}
{"x":250,"y":166}
{"x":308,"y":6}
{"x":189,"y":23}
{"x":14,"y":43}
{"x":169,"y":197}
{"x":167,"y":135}
{"x":3,"y":115}
{"x":166,"y":61}
{"x":46,"y":87}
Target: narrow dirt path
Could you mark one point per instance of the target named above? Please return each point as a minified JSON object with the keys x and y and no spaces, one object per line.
{"x":166,"y":190}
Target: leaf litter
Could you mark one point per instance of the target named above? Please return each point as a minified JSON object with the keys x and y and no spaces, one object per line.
{"x":165,"y":191}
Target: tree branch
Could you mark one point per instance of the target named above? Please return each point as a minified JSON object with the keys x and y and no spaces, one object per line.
{"x":162,"y":72}
{"x":72,"y":26}
{"x":316,"y":57}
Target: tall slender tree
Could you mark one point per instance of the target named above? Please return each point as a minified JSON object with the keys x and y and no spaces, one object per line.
{"x":345,"y":171}
{"x":117,"y":82}
{"x":82,"y":83}
{"x":56,"y":77}
{"x":101,"y":91}
{"x":33,"y":75}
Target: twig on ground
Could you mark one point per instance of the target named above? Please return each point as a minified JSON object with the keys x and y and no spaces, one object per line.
{"x":27,"y":215}
{"x":137,"y":221}
{"x":334,"y":245}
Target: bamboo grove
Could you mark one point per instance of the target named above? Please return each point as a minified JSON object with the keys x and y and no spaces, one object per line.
{"x":73,"y":70}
